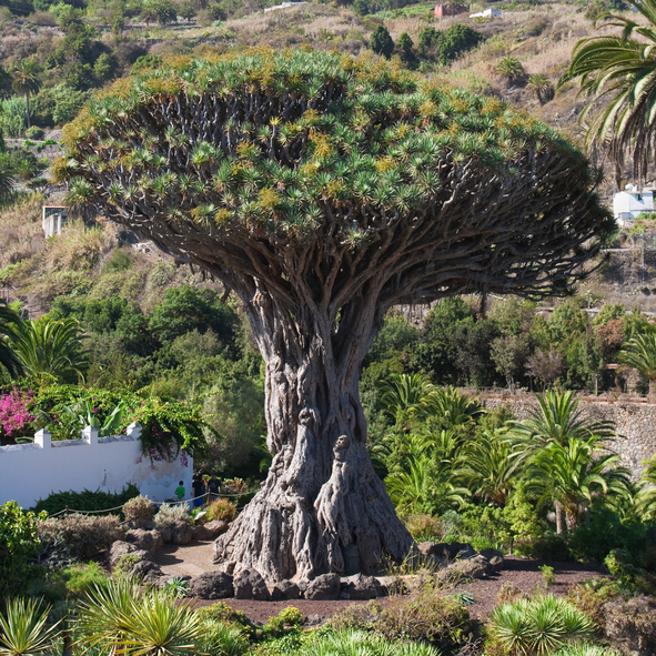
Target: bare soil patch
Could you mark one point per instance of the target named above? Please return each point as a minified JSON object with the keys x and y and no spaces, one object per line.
{"x":523,"y":574}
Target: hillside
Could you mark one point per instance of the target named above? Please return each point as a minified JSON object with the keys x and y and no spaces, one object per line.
{"x":92,"y":260}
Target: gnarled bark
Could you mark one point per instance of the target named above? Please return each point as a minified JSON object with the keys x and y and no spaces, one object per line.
{"x":322,"y":507}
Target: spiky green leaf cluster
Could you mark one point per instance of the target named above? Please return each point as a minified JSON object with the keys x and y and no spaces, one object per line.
{"x":269,"y":140}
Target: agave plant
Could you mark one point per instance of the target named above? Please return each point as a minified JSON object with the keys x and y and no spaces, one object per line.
{"x":538,"y":627}
{"x":24,"y":629}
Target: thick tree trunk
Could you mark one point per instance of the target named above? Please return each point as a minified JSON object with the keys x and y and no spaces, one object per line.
{"x":322,"y":507}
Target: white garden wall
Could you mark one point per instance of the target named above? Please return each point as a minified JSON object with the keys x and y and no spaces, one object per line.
{"x":29,"y":472}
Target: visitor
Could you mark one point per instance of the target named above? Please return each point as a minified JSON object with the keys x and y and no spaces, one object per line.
{"x":180,"y":492}
{"x":213,"y":488}
{"x":199,"y":490}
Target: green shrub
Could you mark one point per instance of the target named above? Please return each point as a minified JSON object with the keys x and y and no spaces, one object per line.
{"x":221,"y":639}
{"x":286,"y":621}
{"x":425,"y":615}
{"x":81,"y":577}
{"x":541,"y":625}
{"x":19,"y":545}
{"x":83,"y":537}
{"x":86,"y":500}
{"x":585,"y":649}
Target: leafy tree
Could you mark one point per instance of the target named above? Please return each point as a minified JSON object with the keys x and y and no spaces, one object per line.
{"x":617,"y":72}
{"x":381,"y":42}
{"x":406,"y":50}
{"x":161,"y":11}
{"x":640,"y":352}
{"x":509,"y":354}
{"x":183,"y":309}
{"x":321,"y":209}
{"x":19,"y":545}
{"x":446,"y":45}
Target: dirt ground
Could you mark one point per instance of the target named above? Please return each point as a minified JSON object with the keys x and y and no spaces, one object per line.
{"x":521,"y":573}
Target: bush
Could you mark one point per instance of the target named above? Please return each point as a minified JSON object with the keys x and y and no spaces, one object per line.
{"x":286,"y":621}
{"x":536,"y":626}
{"x":423,"y":527}
{"x":169,"y":515}
{"x":82,"y":577}
{"x":19,"y":544}
{"x":34,"y":132}
{"x":83,"y":537}
{"x":426,"y":615}
{"x":222,"y":509}
{"x":139,"y":512}
{"x":86,"y":500}
{"x":362,"y":644}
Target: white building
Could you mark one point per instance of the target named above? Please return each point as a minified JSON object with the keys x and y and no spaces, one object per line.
{"x":629,"y":204}
{"x":490,"y":12}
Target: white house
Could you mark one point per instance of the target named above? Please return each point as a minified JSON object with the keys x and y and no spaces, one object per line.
{"x":630,"y":203}
{"x":490,"y":12}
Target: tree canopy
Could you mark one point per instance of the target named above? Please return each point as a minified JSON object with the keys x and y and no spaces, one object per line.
{"x":225,"y":161}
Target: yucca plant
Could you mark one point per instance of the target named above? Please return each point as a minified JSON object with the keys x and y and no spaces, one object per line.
{"x":361,"y":643}
{"x":640,"y":352}
{"x":618,"y":73}
{"x":585,"y":649}
{"x":24,"y":629}
{"x":123,"y":620}
{"x":537,"y":627}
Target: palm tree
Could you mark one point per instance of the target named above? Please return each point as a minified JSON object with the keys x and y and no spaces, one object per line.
{"x":9,"y":322}
{"x":573,"y":475}
{"x":25,"y":80}
{"x":557,"y":422}
{"x":640,"y":352}
{"x":491,"y":465}
{"x":6,"y":176}
{"x":24,"y":629}
{"x":620,"y":71}
{"x":512,"y":71}
{"x":646,"y":497}
{"x":405,"y":395}
{"x":50,"y":349}
{"x":543,"y":87}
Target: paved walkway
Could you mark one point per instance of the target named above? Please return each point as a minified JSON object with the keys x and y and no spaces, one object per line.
{"x":190,"y":560}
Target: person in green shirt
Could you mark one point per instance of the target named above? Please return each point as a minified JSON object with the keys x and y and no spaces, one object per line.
{"x":180,"y":492}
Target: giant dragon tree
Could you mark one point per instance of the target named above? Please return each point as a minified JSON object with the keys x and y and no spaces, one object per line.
{"x":323,"y":190}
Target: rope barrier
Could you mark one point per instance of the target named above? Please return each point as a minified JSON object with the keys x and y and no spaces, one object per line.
{"x":206,"y":495}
